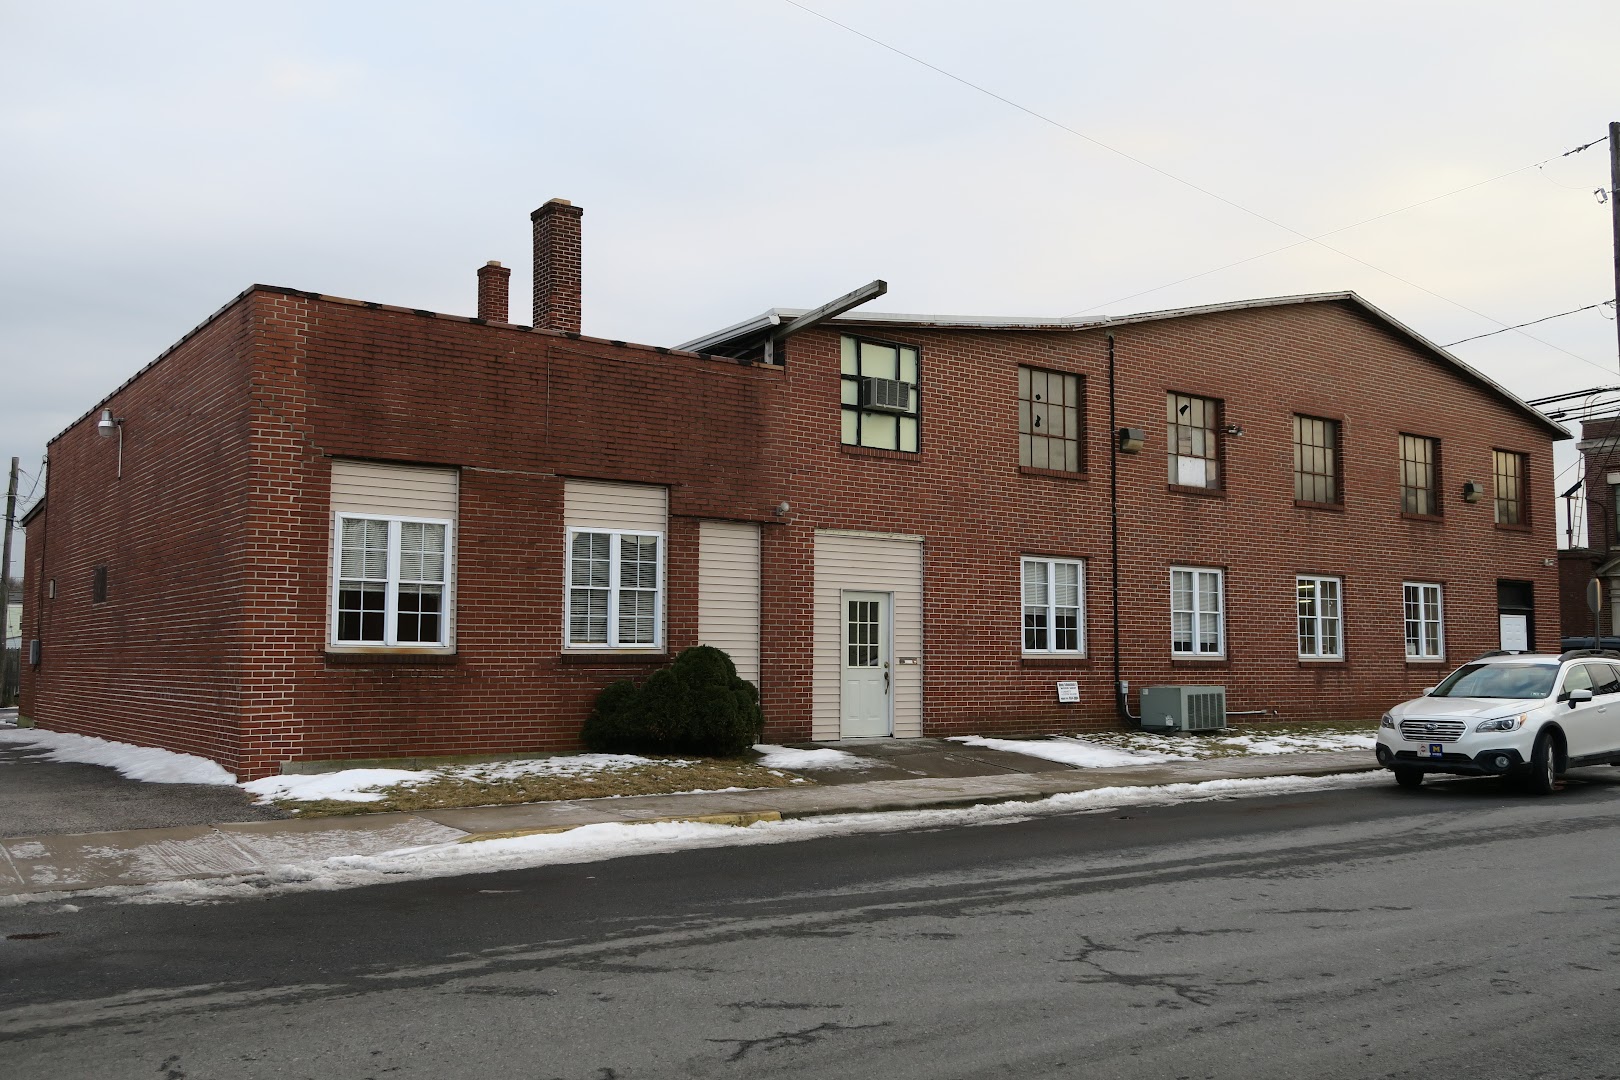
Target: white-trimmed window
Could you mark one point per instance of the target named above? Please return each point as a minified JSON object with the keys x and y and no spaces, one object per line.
{"x":615,"y":589}
{"x":1197,"y":613}
{"x":1054,"y":606}
{"x":392,"y":582}
{"x":1425,"y":621}
{"x":1321,"y":617}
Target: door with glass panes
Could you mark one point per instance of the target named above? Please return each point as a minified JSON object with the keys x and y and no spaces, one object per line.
{"x":866,"y":682}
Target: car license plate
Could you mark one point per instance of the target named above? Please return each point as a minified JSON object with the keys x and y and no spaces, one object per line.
{"x":1436,"y":750}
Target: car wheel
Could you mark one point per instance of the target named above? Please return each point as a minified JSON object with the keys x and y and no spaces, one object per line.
{"x":1409,"y":778}
{"x":1543,"y":774}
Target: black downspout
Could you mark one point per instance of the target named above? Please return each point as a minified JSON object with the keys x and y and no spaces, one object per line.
{"x":1122,"y":702}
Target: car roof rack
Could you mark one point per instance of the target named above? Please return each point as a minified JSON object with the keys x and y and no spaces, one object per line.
{"x":1577,"y":653}
{"x":1502,"y":652}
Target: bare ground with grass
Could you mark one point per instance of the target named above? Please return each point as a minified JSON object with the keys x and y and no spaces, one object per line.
{"x":473,"y":785}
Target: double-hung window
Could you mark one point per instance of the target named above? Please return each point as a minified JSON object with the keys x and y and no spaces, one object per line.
{"x":879,"y":394}
{"x":1509,"y":474}
{"x":1321,"y":617}
{"x":1425,"y":631}
{"x":615,"y":589}
{"x":1197,"y":613}
{"x":1190,"y":425}
{"x":1419,"y":457}
{"x":1316,"y":460}
{"x":1054,"y":606}
{"x":393,"y":580}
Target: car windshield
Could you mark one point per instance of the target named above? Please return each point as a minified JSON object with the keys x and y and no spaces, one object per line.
{"x":1499,"y":681}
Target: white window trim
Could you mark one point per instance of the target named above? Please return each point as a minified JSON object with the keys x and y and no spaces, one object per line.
{"x":657,"y":644}
{"x":391,"y":594}
{"x":1319,"y":655}
{"x":1220,"y":625}
{"x":1079,"y":651}
{"x":1440,"y":625}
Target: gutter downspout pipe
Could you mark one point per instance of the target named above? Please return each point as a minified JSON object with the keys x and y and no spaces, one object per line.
{"x":1122,"y":698}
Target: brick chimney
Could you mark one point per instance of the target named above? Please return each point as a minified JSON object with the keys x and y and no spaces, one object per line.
{"x":494,"y":289}
{"x":556,"y":265}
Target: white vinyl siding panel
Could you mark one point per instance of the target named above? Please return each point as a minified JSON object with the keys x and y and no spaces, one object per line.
{"x":363,"y":487}
{"x":591,"y":504}
{"x":871,"y":563}
{"x":728,"y":592}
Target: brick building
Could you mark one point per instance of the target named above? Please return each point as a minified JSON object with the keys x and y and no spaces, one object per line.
{"x":322,"y":529}
{"x":1600,"y":558}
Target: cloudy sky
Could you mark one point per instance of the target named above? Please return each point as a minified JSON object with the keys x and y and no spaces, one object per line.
{"x":732,"y":155}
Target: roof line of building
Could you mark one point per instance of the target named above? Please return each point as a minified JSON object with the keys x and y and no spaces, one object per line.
{"x":371,"y":305}
{"x":776,"y":316}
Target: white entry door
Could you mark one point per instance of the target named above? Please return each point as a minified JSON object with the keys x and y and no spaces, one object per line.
{"x":1515,"y":632}
{"x":866,"y":683}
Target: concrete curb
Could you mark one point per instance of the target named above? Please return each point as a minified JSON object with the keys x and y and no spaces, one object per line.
{"x":741,"y":821}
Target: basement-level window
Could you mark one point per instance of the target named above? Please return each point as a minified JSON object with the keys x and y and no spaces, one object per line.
{"x":393,"y":580}
{"x":1054,"y":606}
{"x":1197,"y":613}
{"x":879,"y":394}
{"x":615,"y":595}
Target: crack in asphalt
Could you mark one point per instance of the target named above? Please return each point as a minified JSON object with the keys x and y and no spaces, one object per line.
{"x":786,"y":1039}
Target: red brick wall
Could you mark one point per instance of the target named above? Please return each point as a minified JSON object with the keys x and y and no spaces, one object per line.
{"x":160,"y":662}
{"x":965,"y":492}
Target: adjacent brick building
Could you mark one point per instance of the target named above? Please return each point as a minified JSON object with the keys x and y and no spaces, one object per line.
{"x":321,"y":529}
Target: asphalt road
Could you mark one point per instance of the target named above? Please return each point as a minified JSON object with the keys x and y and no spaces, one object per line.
{"x":1460,"y":930}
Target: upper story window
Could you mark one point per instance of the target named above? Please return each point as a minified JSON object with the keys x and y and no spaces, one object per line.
{"x":1190,"y":426}
{"x":879,"y":394}
{"x":1509,"y":475}
{"x":1316,"y":459}
{"x":1197,"y":613}
{"x":1054,"y":606}
{"x":392,"y":576}
{"x":1049,"y":417}
{"x":1419,"y":464}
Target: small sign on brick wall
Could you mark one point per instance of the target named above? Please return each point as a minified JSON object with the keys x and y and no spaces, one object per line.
{"x":1068,"y":692}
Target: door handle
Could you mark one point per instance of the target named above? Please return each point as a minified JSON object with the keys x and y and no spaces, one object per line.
{"x":885,"y":680}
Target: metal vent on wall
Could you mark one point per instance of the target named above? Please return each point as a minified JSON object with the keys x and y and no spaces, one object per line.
{"x":1183,"y":708}
{"x":886,"y":395}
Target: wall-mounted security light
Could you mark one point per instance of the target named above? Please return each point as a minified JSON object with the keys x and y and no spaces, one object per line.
{"x":1131,"y":439}
{"x":781,"y":509}
{"x":1233,"y":430}
{"x":1472,"y":490}
{"x":105,"y":427}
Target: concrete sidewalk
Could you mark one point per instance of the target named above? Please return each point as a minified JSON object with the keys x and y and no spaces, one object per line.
{"x":65,"y":862}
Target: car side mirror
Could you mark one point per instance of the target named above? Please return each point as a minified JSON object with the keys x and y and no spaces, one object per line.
{"x":1427,"y":690}
{"x":1578,"y":696}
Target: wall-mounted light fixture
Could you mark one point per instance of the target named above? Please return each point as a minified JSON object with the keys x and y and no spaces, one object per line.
{"x":105,"y":427}
{"x":1233,"y":430}
{"x":1131,"y":439}
{"x":781,"y":509}
{"x":1472,"y":490}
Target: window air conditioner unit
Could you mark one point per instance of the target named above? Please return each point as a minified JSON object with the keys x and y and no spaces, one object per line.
{"x":886,"y":395}
{"x":1183,"y":708}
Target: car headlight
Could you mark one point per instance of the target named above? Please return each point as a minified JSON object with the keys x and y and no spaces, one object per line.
{"x":1506,"y":723}
{"x":1388,"y":721}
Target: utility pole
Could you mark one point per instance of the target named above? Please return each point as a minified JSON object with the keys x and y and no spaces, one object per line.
{"x":1614,"y":212}
{"x":5,"y":587}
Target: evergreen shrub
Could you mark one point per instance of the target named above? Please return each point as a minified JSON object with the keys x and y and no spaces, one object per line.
{"x":697,"y":705}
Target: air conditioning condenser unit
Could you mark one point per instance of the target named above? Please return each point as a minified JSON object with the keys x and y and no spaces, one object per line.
{"x":1183,"y":708}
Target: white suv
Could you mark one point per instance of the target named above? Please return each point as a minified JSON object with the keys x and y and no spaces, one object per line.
{"x":1526,"y":714}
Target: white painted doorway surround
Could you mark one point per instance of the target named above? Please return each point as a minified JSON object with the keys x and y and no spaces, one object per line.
{"x":867,"y":568}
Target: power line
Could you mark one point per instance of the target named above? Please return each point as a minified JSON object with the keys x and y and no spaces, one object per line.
{"x":1532,"y":322}
{"x":1304,"y":238}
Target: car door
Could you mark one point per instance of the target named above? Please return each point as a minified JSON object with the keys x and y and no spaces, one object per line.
{"x":1574,"y":717}
{"x":1600,"y":727}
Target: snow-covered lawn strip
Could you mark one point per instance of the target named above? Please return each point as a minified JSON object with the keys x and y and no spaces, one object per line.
{"x":594,"y":843}
{"x":1077,"y":752}
{"x":1107,"y":750}
{"x":366,"y":785}
{"x":784,"y":757}
{"x":146,"y":763}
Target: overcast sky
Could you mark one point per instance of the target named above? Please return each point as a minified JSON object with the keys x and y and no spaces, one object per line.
{"x":733,"y":155}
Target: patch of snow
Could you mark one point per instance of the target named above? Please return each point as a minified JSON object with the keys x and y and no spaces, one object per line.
{"x":146,"y":763}
{"x":782,"y":757}
{"x":594,"y":843}
{"x":1077,"y":752}
{"x":346,"y":785}
{"x":365,"y":785}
